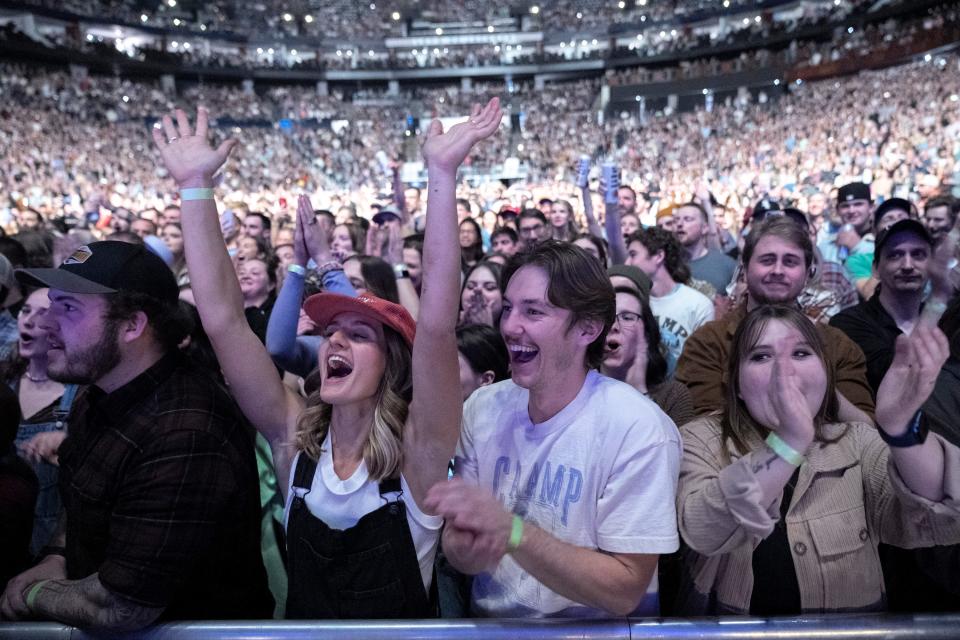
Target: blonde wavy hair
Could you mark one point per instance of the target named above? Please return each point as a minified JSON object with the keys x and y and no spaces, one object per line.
{"x":382,"y":453}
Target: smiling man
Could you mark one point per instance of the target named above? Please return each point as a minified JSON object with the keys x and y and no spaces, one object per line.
{"x":777,"y":257}
{"x":901,"y":264}
{"x":157,"y":476}
{"x":567,"y":478}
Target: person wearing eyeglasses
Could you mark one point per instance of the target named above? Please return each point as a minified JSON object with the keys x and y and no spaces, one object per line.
{"x":634,"y":354}
{"x":532,"y":226}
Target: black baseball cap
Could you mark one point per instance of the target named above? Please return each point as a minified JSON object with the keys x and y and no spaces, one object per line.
{"x":108,"y":267}
{"x":386,"y":214}
{"x":912,"y":226}
{"x":891,"y":204}
{"x":853,"y":191}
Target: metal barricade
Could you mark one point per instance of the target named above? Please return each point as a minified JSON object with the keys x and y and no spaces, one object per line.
{"x":841,"y":626}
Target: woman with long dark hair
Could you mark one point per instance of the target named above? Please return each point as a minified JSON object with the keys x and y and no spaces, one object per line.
{"x":481,"y":300}
{"x":563,"y":223}
{"x":635,"y":355}
{"x":355,"y":460}
{"x":471,"y":242}
{"x":782,"y":506}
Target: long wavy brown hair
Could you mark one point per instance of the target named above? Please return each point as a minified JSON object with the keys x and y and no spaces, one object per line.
{"x":737,"y":425}
{"x":382,"y":453}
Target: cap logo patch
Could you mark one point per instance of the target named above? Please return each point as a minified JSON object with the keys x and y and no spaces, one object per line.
{"x":79,"y":256}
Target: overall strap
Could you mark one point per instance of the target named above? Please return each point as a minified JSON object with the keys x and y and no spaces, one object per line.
{"x":390,"y":485}
{"x":304,"y":472}
{"x":66,"y":400}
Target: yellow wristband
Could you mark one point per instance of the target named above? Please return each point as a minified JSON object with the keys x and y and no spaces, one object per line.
{"x":784,"y":450}
{"x":516,"y":534}
{"x":32,"y":594}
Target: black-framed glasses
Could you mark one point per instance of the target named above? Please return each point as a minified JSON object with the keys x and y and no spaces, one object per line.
{"x":628,"y":318}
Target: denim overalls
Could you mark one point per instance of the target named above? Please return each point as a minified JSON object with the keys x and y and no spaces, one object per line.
{"x":48,"y":507}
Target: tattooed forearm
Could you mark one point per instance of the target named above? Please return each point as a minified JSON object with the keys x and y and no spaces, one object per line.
{"x":760,"y":465}
{"x":87,"y":603}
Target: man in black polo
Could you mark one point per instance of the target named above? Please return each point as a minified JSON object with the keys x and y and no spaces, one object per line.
{"x":157,"y":475}
{"x":901,"y":263}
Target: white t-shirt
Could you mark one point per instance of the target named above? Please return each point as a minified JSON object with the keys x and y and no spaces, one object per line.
{"x":679,"y":314}
{"x":601,"y":474}
{"x":341,"y":504}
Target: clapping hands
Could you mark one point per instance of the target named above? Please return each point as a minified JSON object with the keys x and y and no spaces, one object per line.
{"x":911,"y":377}
{"x":311,"y":235}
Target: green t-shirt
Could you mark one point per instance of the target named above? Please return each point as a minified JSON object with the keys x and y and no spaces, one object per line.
{"x":860,"y":266}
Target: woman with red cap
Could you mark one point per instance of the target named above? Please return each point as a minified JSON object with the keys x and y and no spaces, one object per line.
{"x":357,"y":457}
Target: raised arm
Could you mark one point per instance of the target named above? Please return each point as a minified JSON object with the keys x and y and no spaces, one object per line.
{"x":713,"y":233}
{"x":611,"y":222}
{"x":253,"y":380}
{"x":908,"y":383}
{"x":436,"y":410}
{"x":593,"y":227}
{"x":310,"y":241}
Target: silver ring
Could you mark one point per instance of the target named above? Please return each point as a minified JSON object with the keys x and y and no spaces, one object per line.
{"x":173,"y":139}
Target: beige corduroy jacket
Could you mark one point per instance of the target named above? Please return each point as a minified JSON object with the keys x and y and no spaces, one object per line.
{"x":848,"y":498}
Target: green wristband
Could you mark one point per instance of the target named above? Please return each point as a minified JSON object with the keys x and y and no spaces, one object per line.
{"x":32,"y":594}
{"x":784,"y":450}
{"x":204,"y":193}
{"x":516,"y":534}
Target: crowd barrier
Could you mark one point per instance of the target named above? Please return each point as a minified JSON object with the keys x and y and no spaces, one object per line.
{"x":841,"y":626}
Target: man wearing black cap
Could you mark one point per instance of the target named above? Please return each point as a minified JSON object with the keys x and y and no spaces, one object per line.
{"x":901,"y":264}
{"x":891,"y":211}
{"x":855,"y":238}
{"x":158,"y":476}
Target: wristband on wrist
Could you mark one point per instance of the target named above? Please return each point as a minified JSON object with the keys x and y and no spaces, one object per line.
{"x":327,"y":267}
{"x":516,"y":534}
{"x":400,"y":271}
{"x":32,"y":594}
{"x":53,"y":550}
{"x":915,"y":434}
{"x":203,"y":193}
{"x":785,"y":451}
{"x":297,"y":269}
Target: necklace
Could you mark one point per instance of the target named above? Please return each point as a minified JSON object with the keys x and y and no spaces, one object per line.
{"x":37,"y":380}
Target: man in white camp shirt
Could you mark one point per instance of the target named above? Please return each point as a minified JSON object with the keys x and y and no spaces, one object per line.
{"x":567,"y":479}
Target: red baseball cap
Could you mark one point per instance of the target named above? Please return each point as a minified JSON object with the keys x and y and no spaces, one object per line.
{"x":324,"y":307}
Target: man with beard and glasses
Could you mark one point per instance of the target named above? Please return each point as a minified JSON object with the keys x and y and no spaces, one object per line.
{"x":157,"y":475}
{"x":777,"y":257}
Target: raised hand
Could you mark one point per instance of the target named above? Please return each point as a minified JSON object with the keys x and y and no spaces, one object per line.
{"x":311,"y":236}
{"x":394,"y":249}
{"x":447,"y":151}
{"x":374,"y":243}
{"x":911,"y":377}
{"x":794,"y":420}
{"x":186,"y":153}
{"x":940,"y":265}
